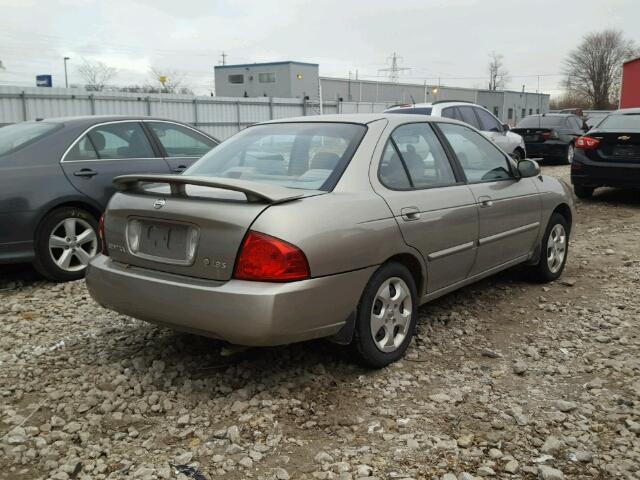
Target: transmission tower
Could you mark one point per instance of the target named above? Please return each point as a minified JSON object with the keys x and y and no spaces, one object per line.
{"x":223,"y":58}
{"x":394,"y":70}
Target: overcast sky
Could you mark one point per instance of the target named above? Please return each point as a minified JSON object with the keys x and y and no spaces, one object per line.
{"x":446,"y":39}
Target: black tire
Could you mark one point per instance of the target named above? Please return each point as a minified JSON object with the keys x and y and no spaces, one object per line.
{"x":568,"y":155}
{"x":363,"y":345}
{"x":542,"y":271}
{"x":583,"y":192}
{"x":44,"y":262}
{"x":517,"y":155}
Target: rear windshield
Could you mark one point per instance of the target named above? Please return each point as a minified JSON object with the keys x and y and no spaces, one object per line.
{"x":413,"y":111}
{"x":540,"y":121}
{"x":629,"y":121}
{"x":14,"y":137}
{"x":309,"y":156}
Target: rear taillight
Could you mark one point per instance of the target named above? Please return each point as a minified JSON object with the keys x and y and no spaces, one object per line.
{"x":587,"y":143}
{"x":267,"y":259}
{"x":103,"y":241}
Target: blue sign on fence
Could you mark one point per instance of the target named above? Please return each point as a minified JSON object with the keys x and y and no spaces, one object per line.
{"x":44,"y":81}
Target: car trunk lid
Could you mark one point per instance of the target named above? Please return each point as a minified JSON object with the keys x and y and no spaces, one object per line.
{"x":617,"y":146}
{"x":534,"y":135}
{"x":186,"y":225}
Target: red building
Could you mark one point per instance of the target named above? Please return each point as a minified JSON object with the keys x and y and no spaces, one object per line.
{"x":630,"y":89}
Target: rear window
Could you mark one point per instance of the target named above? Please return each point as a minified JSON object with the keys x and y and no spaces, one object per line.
{"x":540,"y":121}
{"x":15,"y":137}
{"x":412,"y":111}
{"x":629,"y":121}
{"x":309,"y":156}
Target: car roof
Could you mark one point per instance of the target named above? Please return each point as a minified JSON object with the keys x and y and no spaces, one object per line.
{"x":365,"y":118}
{"x":89,"y":120}
{"x":627,"y":110}
{"x":450,"y":103}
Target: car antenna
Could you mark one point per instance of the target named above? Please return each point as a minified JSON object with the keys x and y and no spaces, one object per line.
{"x":413,"y":100}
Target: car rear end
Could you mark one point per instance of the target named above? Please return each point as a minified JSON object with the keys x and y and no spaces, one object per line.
{"x":542,"y":136}
{"x":610,"y":154}
{"x":180,"y":251}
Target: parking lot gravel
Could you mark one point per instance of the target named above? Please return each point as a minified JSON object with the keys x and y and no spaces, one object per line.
{"x":505,"y":379}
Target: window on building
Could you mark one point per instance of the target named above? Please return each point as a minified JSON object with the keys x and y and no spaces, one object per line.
{"x":267,"y":77}
{"x":537,"y":111}
{"x":524,"y":113}
{"x":236,"y":78}
{"x":496,"y":111}
{"x":510,"y":114}
{"x":531,"y":111}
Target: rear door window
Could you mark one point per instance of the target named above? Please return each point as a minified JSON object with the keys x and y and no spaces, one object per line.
{"x":82,"y":150}
{"x":469,"y":117}
{"x":452,"y":112}
{"x":487,"y":121}
{"x":422,"y":157}
{"x":120,"y":141}
{"x":179,"y":141}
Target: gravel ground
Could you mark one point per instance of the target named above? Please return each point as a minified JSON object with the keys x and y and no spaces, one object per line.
{"x":505,"y":379}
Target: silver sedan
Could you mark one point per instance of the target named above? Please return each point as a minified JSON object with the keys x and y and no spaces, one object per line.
{"x":332,"y":226}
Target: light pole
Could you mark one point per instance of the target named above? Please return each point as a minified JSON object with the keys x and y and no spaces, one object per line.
{"x":66,"y":78}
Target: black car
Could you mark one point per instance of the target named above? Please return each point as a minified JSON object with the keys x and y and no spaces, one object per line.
{"x":609,"y":155}
{"x":551,"y":135}
{"x":56,"y":179}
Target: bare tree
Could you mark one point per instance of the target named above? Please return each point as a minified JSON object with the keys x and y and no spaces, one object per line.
{"x":593,"y":69}
{"x":96,"y":75}
{"x":171,"y":81}
{"x":498,"y":75}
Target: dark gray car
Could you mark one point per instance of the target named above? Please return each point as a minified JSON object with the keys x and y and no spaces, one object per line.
{"x":56,"y":179}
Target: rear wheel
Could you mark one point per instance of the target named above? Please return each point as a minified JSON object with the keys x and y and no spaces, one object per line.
{"x":517,"y":155}
{"x":583,"y":192}
{"x":65,"y":242}
{"x":553,"y":250}
{"x":386,"y":316}
{"x":568,"y":158}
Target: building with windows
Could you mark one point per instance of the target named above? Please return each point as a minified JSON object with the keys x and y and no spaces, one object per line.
{"x":275,"y":79}
{"x":302,"y":80}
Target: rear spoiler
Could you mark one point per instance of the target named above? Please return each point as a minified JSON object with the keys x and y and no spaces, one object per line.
{"x":255,"y":192}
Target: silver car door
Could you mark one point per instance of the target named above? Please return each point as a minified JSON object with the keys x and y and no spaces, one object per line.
{"x":435,"y":210}
{"x":509,"y":208}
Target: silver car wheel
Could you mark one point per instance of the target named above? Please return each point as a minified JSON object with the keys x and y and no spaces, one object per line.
{"x":570,"y":153}
{"x":556,"y":248}
{"x":391,"y":314}
{"x":72,"y":243}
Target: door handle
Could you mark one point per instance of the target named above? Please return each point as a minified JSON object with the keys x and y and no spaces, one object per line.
{"x":485,"y":201}
{"x":409,"y":213}
{"x":85,"y":172}
{"x":180,"y":169}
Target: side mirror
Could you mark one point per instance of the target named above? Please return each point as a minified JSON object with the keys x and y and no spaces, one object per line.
{"x":528,"y":168}
{"x":506,"y":127}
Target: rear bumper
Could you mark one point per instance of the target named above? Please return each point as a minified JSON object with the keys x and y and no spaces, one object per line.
{"x":548,"y":149}
{"x":240,"y":312}
{"x":587,"y":173}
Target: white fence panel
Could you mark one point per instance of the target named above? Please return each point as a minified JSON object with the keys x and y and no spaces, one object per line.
{"x":219,"y":116}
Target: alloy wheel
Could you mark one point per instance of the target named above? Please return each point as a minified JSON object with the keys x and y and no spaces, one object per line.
{"x":570,"y":153}
{"x":391,"y":314}
{"x":556,"y":248}
{"x":72,"y":243}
